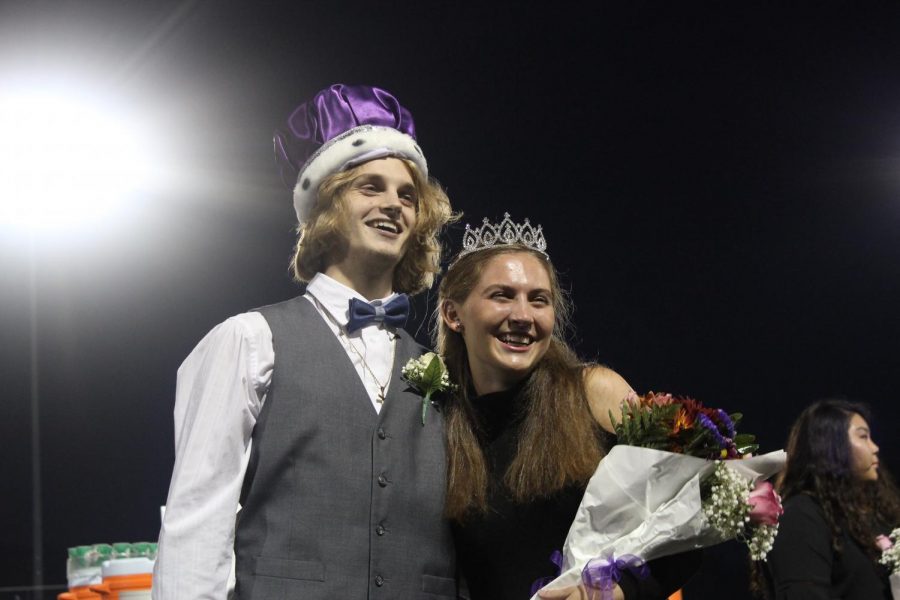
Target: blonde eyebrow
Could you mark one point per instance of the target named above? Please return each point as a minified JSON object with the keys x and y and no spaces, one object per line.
{"x":368,"y":177}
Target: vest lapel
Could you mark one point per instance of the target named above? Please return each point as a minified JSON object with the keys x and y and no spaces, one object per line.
{"x":343,"y":366}
{"x":405,"y":349}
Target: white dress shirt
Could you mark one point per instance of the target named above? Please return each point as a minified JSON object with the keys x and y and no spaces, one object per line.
{"x":221,"y":388}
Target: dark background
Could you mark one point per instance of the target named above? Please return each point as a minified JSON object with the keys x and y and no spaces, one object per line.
{"x":718,"y":185}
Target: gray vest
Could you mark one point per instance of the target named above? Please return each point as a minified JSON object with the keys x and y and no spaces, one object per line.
{"x":340,"y":501}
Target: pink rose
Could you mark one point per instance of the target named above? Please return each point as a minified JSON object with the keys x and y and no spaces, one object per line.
{"x":884,"y":543}
{"x":765,"y":504}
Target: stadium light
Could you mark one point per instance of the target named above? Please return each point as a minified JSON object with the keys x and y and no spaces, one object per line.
{"x":68,"y":160}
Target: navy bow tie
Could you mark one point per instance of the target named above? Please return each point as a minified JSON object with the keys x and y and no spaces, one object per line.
{"x":391,"y":313}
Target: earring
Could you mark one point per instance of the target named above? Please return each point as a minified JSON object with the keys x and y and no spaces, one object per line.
{"x":459,"y":326}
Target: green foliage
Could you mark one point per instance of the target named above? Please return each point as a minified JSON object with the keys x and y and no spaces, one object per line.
{"x":746,"y":443}
{"x":431,"y":378}
{"x":644,"y":427}
{"x":683,"y":426}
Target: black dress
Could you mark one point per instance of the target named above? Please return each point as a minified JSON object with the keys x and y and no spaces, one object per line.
{"x":503,"y":552}
{"x":803,"y":566}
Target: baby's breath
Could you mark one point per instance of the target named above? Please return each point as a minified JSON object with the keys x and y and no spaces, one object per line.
{"x":891,"y":557}
{"x":725,"y":506}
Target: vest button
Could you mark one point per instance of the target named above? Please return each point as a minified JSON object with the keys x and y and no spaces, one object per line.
{"x":382,"y":480}
{"x":381,"y":433}
{"x":379,"y":580}
{"x":380,"y":530}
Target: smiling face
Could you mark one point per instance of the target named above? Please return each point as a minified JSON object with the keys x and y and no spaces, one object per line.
{"x":863,"y":451}
{"x":506,"y":321}
{"x":380,"y":215}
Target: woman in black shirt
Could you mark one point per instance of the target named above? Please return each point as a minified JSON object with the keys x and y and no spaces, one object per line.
{"x":837,"y":500}
{"x":528,"y":422}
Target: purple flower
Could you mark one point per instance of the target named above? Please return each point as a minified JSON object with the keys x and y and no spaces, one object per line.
{"x":707,"y":423}
{"x":726,"y":421}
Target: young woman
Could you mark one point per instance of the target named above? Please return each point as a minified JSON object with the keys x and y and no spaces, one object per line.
{"x":837,"y":500}
{"x":528,"y":422}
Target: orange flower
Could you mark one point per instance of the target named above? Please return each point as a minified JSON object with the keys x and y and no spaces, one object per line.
{"x":682,"y":421}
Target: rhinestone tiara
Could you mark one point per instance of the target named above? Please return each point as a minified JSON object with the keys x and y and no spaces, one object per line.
{"x":490,"y":235}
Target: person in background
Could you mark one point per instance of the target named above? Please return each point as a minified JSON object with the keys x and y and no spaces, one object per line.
{"x":297,"y":409}
{"x":528,"y":421}
{"x":837,"y":500}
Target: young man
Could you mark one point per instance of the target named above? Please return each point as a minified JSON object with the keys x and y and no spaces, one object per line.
{"x":297,"y":410}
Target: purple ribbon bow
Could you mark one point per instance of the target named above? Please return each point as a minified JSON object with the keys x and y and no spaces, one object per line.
{"x":556,"y":558}
{"x":604,"y":573}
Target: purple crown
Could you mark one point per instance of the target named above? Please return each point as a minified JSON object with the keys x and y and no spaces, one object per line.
{"x":341,"y":126}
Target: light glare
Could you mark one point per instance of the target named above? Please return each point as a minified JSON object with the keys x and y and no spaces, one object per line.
{"x":66,"y":161}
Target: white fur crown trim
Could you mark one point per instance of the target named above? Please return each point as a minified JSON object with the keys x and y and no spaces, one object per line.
{"x":353,"y":147}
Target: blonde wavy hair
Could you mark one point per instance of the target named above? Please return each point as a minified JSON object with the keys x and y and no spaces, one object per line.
{"x":326,"y":231}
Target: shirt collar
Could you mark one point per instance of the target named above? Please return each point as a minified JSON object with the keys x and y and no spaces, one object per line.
{"x":335,"y":296}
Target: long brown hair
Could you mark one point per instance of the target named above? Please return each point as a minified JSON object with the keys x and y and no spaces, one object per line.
{"x":559,"y":442}
{"x":324,"y":233}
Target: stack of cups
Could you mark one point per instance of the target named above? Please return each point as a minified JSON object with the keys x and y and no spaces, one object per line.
{"x":84,"y":569}
{"x":126,"y":575}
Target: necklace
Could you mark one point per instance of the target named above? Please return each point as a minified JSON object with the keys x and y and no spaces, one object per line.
{"x":382,"y":387}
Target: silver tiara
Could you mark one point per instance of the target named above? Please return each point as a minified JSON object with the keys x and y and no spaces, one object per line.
{"x":506,"y":232}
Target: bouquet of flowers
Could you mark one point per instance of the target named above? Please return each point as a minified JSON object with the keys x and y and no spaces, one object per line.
{"x":890,"y":557}
{"x":676,"y":481}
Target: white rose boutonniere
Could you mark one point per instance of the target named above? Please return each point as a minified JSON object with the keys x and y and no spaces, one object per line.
{"x":428,"y":374}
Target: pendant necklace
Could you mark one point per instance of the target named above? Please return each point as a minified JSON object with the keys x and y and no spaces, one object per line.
{"x":382,"y":387}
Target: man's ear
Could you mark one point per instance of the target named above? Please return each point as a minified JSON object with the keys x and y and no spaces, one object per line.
{"x":450,"y":315}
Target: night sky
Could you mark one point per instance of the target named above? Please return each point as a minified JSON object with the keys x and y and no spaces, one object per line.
{"x":719,"y":187}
